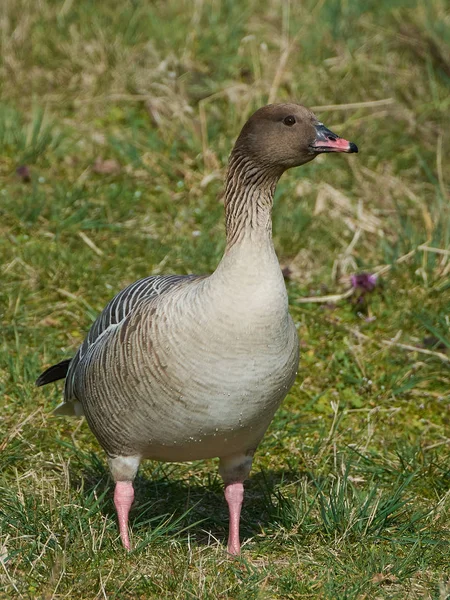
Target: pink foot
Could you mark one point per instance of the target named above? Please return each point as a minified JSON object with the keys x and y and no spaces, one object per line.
{"x":123,"y":499}
{"x":234,"y":494}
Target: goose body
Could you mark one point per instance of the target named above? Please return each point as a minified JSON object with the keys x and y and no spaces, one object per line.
{"x":202,"y":366}
{"x":182,"y":368}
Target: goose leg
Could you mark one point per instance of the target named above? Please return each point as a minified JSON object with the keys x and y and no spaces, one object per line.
{"x":123,"y":470}
{"x":234,"y":470}
{"x":123,"y":499}
{"x":234,"y":494}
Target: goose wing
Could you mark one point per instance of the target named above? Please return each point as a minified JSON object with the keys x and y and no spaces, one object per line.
{"x":114,"y":312}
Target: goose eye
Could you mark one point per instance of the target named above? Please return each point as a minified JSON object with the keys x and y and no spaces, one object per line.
{"x":289,"y":121}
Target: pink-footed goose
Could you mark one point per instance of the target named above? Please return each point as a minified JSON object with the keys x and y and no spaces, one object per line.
{"x":180,"y":368}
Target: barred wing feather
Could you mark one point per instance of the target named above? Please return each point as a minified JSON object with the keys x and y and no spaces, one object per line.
{"x":112,"y":315}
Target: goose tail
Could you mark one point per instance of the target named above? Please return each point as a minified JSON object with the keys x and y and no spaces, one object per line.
{"x":54,"y":373}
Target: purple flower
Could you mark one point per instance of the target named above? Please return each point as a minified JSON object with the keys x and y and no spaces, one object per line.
{"x":364,"y":282}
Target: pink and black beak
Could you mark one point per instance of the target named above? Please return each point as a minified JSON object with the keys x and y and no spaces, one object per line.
{"x":327,"y":141}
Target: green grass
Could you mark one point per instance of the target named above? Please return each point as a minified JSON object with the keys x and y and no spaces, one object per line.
{"x":348,"y":498}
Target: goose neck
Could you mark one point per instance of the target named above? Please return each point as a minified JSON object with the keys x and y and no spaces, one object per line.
{"x":249,"y":196}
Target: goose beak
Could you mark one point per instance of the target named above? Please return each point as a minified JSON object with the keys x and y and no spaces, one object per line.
{"x":327,"y":141}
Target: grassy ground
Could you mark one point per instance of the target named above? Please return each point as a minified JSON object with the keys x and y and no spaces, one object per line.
{"x":122,"y":115}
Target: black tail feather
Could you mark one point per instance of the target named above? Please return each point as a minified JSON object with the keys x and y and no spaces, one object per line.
{"x":54,"y":373}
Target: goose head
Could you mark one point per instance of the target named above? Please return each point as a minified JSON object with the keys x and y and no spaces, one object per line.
{"x":280,"y":136}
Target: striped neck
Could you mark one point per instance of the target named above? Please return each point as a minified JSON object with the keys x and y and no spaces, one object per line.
{"x":249,"y":195}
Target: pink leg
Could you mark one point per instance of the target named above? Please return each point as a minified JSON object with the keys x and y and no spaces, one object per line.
{"x":123,"y":499}
{"x":234,"y":494}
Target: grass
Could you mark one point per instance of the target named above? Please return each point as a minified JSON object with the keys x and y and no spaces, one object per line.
{"x":348,"y":497}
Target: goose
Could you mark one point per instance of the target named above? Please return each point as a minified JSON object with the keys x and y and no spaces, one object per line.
{"x":188,"y":367}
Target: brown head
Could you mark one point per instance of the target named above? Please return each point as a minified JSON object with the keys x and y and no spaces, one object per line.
{"x":281,"y":136}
